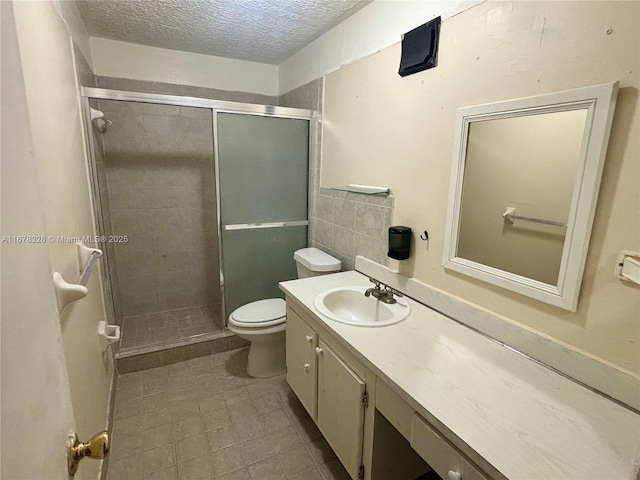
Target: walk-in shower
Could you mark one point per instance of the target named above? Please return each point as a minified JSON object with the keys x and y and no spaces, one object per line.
{"x":201,"y":204}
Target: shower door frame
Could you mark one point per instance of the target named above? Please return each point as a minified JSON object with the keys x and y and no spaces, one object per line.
{"x":216,"y":106}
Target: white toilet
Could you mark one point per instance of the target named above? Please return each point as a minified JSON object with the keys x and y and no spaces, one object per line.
{"x":263,"y":322}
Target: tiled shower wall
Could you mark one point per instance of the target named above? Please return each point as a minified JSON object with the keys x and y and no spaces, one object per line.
{"x":340,"y":223}
{"x":161,"y":189}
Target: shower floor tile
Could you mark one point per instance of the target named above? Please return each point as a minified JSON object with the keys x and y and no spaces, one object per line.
{"x":206,"y":418}
{"x":169,"y":327}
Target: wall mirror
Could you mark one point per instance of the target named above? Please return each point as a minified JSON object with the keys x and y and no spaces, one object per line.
{"x":524,"y":187}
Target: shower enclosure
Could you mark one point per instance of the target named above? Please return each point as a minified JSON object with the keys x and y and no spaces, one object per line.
{"x":201,"y":205}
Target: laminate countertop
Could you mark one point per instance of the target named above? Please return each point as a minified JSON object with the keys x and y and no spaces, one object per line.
{"x":526,"y":420}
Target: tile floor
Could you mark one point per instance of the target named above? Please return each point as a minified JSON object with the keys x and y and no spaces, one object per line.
{"x":169,"y":327}
{"x":205,"y":418}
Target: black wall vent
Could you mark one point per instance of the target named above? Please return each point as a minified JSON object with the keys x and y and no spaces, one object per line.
{"x":420,"y":48}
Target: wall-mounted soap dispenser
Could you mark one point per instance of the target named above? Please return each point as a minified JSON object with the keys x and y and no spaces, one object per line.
{"x":399,"y":242}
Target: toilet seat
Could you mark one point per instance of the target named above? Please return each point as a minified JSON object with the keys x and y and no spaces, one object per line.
{"x":260,"y":314}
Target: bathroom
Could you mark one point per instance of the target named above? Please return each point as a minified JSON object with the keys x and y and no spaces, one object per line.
{"x":377,"y":129}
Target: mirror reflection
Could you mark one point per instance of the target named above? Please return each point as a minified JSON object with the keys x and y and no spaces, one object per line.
{"x":518,"y":183}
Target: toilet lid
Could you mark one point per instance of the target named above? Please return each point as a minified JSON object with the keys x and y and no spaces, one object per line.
{"x":261,"y":311}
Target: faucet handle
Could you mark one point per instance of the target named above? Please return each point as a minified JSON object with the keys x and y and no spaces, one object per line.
{"x":396,"y":292}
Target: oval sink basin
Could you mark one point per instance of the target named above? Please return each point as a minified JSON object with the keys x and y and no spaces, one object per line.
{"x":349,"y":305}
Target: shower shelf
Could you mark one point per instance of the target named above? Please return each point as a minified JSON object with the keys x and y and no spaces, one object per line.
{"x":70,"y":292}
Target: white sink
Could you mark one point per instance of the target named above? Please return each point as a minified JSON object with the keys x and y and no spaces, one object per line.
{"x":349,"y":305}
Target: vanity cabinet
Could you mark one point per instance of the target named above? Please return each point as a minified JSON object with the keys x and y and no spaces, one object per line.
{"x":341,"y":393}
{"x":330,"y":382}
{"x":302,"y":376}
{"x":331,"y":390}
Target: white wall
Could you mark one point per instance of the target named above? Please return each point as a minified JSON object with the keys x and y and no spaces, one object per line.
{"x":54,"y":110}
{"x":376,"y":26}
{"x":112,"y":58}
{"x":381,"y":129}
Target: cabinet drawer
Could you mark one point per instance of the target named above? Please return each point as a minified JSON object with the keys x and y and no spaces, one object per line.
{"x":440,"y":454}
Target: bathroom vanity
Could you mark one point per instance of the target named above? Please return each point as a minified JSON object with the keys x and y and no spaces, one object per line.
{"x":430,"y":394}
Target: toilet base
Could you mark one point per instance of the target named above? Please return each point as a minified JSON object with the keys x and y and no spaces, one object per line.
{"x":267,"y":357}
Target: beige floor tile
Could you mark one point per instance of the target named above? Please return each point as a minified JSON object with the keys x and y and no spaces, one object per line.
{"x":129,"y":379}
{"x":192,"y":425}
{"x":156,"y":385}
{"x":191,"y":447}
{"x":158,"y":459}
{"x":320,"y":451}
{"x":267,"y":403}
{"x":241,"y":474}
{"x":126,"y":445}
{"x":264,"y":433}
{"x":170,"y":473}
{"x":155,"y":418}
{"x":310,"y":474}
{"x":227,"y":460}
{"x":198,"y":468}
{"x":129,"y":468}
{"x":257,"y":449}
{"x":216,"y":418}
{"x":242,"y":409}
{"x":261,"y":387}
{"x":334,"y":470}
{"x":155,"y":401}
{"x":285,"y":439}
{"x":157,"y":436}
{"x":128,"y":408}
{"x":150,"y":375}
{"x":228,"y":383}
{"x":249,"y":427}
{"x":127,"y":425}
{"x":268,"y":469}
{"x":211,"y":402}
{"x":275,"y":420}
{"x":295,"y":460}
{"x":307,"y":430}
{"x":222,"y":438}
{"x":236,"y":396}
{"x":182,"y":410}
{"x":129,"y":391}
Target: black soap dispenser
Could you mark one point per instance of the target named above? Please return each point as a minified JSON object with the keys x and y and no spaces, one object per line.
{"x":399,"y":242}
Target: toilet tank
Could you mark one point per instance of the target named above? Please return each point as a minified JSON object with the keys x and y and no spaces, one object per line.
{"x":312,"y":262}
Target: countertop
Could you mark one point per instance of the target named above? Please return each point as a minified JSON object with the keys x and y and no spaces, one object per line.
{"x":526,"y":420}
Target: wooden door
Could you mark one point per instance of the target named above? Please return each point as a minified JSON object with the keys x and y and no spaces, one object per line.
{"x":340,"y":408}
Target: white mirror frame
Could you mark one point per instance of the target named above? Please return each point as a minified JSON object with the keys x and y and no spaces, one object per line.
{"x":599,"y":100}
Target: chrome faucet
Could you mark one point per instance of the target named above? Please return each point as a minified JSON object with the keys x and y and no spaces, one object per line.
{"x":382,"y":292}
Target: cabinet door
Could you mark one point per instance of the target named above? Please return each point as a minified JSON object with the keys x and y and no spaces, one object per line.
{"x":301,"y":341}
{"x":340,"y":408}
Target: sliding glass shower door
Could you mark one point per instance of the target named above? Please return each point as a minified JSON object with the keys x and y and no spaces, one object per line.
{"x":263,"y":166}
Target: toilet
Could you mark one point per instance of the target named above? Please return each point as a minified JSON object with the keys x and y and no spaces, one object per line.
{"x":263,"y":322}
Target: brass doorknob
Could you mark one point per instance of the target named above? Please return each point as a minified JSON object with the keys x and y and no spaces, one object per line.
{"x":96,"y":447}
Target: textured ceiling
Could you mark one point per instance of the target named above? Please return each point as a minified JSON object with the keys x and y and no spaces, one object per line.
{"x":267,"y":31}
